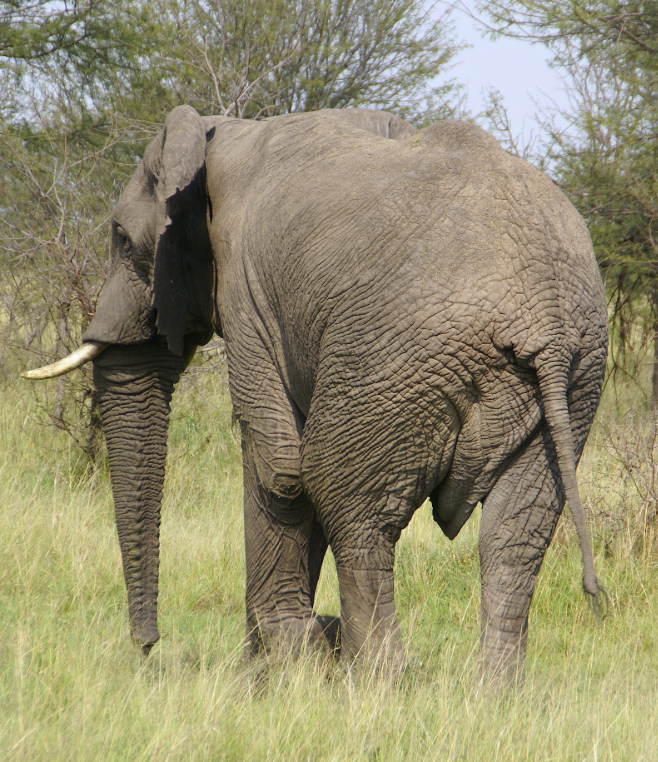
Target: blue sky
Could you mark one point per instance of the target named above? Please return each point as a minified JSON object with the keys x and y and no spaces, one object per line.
{"x":518,"y":69}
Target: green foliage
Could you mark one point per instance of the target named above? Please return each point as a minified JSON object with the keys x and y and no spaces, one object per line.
{"x":32,"y":29}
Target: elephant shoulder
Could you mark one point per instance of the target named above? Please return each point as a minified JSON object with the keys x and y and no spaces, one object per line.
{"x":455,"y":135}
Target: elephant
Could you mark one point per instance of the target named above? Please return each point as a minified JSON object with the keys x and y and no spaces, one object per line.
{"x":406,"y":314}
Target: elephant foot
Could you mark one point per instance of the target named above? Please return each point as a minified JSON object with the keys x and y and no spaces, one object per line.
{"x":502,"y":661}
{"x":381,"y":661}
{"x":330,"y":631}
{"x":500,"y":677}
{"x":292,"y":635}
{"x":145,"y":637}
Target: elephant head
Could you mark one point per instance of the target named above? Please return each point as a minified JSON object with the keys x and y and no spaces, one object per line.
{"x":161,"y":282}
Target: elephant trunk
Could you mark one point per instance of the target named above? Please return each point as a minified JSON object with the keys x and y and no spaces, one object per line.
{"x":135,"y":384}
{"x":553,"y":388}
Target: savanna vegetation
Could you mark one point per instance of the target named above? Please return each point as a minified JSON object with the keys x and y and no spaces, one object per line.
{"x":72,"y":686}
{"x":83,"y":87}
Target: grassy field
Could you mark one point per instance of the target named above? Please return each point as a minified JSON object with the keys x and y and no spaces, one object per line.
{"x":72,"y":687}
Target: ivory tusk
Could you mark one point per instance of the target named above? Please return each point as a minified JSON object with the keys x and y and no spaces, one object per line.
{"x":87,"y":352}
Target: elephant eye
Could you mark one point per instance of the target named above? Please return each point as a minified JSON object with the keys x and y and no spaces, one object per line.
{"x":126,"y":243}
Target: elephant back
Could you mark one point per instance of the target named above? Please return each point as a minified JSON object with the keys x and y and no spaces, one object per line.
{"x":455,"y":135}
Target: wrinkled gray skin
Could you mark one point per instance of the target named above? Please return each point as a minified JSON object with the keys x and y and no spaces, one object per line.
{"x":405,"y":314}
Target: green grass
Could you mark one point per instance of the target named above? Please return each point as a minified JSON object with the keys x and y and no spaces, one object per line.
{"x":72,"y":687}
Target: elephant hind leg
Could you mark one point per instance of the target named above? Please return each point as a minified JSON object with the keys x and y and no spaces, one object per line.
{"x":365,"y":556}
{"x":369,"y":628}
{"x":518,"y":520}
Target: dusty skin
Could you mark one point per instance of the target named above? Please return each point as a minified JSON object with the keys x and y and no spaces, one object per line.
{"x":405,"y":315}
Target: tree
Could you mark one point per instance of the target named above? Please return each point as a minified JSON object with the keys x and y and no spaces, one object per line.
{"x":250,"y":58}
{"x":607,"y":160}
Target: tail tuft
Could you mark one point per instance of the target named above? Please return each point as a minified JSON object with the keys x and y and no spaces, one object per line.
{"x":600,"y":602}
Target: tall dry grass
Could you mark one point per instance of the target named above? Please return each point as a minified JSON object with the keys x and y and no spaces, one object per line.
{"x":72,"y":687}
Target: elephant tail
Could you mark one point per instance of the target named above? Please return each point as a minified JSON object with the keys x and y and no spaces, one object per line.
{"x":552,"y":378}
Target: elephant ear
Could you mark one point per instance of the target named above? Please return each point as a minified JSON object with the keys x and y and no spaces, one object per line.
{"x":183,"y":271}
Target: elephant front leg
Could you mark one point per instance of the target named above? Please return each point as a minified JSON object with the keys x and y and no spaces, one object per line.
{"x":518,"y":520}
{"x":284,"y":547}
